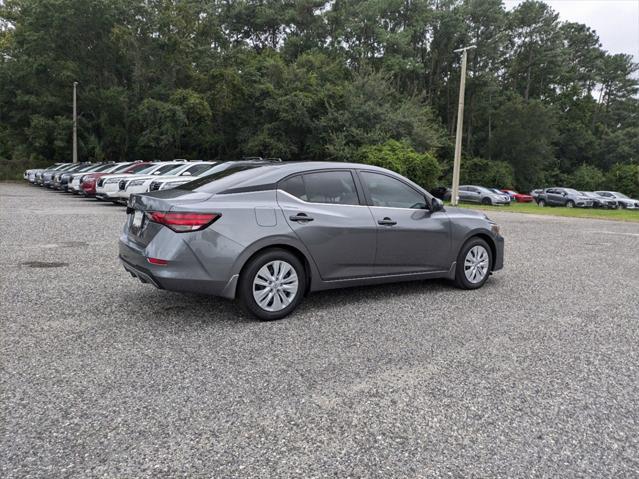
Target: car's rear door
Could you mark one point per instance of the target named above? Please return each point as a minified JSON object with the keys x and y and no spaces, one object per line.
{"x":324,"y":209}
{"x":552,"y":196}
{"x":410,"y":238}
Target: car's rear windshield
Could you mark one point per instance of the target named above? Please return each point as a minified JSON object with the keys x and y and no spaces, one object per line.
{"x":221,"y":177}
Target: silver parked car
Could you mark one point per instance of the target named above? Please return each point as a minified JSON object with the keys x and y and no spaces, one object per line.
{"x":267,"y":234}
{"x":484,"y":196}
{"x":622,"y":200}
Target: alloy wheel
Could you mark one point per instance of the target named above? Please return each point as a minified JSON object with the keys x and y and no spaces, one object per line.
{"x":476,"y":264}
{"x":275,"y":286}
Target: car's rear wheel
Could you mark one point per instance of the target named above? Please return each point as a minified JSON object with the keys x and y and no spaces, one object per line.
{"x":272,"y":284}
{"x":474,"y":264}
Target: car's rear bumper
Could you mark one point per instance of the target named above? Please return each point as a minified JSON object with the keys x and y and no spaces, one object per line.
{"x":183,"y":274}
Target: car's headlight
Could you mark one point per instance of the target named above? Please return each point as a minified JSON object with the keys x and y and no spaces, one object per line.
{"x":494,"y":227}
{"x":136,"y":183}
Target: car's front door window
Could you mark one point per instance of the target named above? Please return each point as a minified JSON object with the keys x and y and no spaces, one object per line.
{"x":388,"y":192}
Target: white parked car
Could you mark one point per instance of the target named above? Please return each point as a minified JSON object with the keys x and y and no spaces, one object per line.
{"x":108,"y":186}
{"x":185,"y":172}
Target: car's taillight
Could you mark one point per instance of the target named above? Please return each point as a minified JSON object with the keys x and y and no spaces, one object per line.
{"x":183,"y":222}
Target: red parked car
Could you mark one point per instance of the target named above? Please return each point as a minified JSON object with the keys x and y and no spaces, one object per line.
{"x":518,"y":197}
{"x":88,"y":182}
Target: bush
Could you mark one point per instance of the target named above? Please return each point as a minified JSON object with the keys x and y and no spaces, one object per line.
{"x":625,"y":179}
{"x":587,"y":178}
{"x":422,"y":168}
{"x":492,"y":174}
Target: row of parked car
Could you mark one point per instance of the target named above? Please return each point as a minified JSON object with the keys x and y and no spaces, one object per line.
{"x":116,"y":182}
{"x":567,"y":197}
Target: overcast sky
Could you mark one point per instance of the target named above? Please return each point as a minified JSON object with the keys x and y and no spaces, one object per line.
{"x":616,"y":21}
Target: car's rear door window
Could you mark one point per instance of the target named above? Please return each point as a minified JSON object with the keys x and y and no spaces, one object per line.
{"x":328,"y":187}
{"x":388,"y":192}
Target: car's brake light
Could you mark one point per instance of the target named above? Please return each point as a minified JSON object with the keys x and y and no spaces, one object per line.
{"x":158,"y":261}
{"x":183,"y":222}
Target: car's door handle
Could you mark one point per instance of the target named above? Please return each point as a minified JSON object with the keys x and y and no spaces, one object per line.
{"x":387,"y":222}
{"x":301,"y":218}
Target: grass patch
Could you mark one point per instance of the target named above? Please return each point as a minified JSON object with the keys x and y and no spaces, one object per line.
{"x":532,"y":208}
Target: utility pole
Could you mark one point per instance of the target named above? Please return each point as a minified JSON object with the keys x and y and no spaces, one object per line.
{"x":460,"y":125}
{"x":75,"y":124}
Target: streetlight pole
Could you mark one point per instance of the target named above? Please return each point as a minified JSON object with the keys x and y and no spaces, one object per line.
{"x":75,"y":124}
{"x":460,"y":126}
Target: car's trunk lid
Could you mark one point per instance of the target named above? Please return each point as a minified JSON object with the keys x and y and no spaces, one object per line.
{"x":140,"y":229}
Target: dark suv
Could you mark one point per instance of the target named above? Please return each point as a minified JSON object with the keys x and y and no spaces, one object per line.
{"x":563,"y":197}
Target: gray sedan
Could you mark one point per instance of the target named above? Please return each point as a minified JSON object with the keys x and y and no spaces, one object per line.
{"x":269,"y":234}
{"x":481,"y":195}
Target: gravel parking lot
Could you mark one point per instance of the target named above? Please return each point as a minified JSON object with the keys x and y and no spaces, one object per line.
{"x":536,"y":374}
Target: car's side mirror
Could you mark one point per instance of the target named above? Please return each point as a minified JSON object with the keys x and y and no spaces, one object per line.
{"x":436,"y":205}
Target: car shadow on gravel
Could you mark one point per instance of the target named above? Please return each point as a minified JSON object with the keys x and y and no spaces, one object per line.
{"x":171,"y":307}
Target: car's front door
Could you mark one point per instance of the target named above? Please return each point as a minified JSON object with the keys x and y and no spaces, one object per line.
{"x":410,"y":238}
{"x":323,"y":208}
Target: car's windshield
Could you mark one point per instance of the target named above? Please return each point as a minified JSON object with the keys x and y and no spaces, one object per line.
{"x":571,"y":191}
{"x":142,"y":169}
{"x":102,"y":168}
{"x":587,"y":193}
{"x":197,"y":170}
{"x":619,"y":195}
{"x":166,"y":168}
{"x":119,"y":168}
{"x":174,"y":170}
{"x":85,"y":168}
{"x":219,"y":180}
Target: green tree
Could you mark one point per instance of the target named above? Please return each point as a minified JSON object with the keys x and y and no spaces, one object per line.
{"x":524,"y":135}
{"x":587,"y":178}
{"x":478,"y":171}
{"x":624,"y":178}
{"x":400,"y":157}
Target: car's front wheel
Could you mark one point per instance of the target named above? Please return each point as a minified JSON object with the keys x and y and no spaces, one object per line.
{"x":272,"y":284}
{"x":474,"y":264}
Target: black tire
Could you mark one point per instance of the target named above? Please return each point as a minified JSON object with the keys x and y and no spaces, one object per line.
{"x":541,"y":203}
{"x":570,"y":204}
{"x":486,"y":201}
{"x":460,"y":278}
{"x":245,"y":286}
